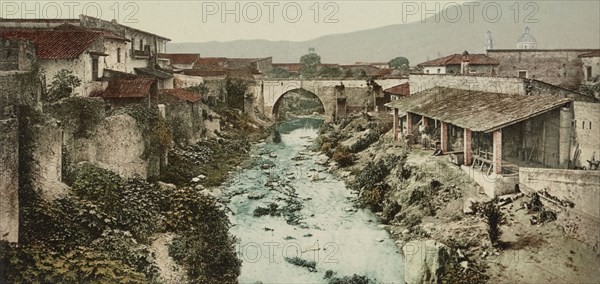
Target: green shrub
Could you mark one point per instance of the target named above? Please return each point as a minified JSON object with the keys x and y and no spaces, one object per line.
{"x":311,"y":265}
{"x":372,"y":174}
{"x":354,"y":279}
{"x":364,"y":142}
{"x":134,"y":203}
{"x":343,"y":157}
{"x":120,"y":245}
{"x":80,"y":265}
{"x":493,"y":217}
{"x":204,"y":246}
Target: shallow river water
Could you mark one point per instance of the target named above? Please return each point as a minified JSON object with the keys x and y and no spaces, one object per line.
{"x":328,"y":229}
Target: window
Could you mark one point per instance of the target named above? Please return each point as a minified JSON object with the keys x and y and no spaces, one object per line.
{"x":589,"y":73}
{"x":522,"y":73}
{"x":95,"y":68}
{"x":438,"y":70}
{"x":141,"y":44}
{"x":118,"y":55}
{"x":427,"y":71}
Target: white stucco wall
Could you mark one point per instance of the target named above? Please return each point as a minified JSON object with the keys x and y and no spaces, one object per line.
{"x":434,"y":70}
{"x":111,"y":61}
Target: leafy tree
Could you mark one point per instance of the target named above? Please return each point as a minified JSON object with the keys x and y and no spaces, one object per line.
{"x":330,"y":72}
{"x":279,"y":72}
{"x":310,"y":62}
{"x":399,"y":63}
{"x":63,"y":84}
{"x":236,"y":92}
{"x":200,"y":89}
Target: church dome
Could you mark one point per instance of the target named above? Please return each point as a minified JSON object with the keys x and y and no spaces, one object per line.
{"x":527,"y":41}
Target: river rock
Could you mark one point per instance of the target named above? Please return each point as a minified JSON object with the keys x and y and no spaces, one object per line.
{"x":273,"y":155}
{"x":195,"y":180}
{"x":424,"y":261}
{"x":166,"y":186}
{"x":322,"y":159}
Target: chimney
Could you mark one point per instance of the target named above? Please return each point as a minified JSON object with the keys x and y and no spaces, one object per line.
{"x":464,"y":64}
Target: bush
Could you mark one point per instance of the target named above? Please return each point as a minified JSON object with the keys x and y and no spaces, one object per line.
{"x":311,"y":265}
{"x":121,"y":246}
{"x":374,"y":197}
{"x":134,"y":203}
{"x":372,"y":174}
{"x":364,"y":142}
{"x":343,"y":157}
{"x":204,"y":246}
{"x":80,"y":265}
{"x":494,"y":218}
{"x":354,"y":279}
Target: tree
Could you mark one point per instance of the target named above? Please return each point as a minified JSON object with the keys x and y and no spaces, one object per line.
{"x":236,"y":92}
{"x":310,"y":62}
{"x":330,"y":72}
{"x":399,"y":63}
{"x":278,"y":72}
{"x":62,"y":86}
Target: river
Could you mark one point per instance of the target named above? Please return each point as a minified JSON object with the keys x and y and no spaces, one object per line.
{"x":318,"y":222}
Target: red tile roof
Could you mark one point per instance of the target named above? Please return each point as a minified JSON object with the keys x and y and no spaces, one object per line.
{"x":211,"y":60}
{"x":401,"y":90}
{"x":180,"y":58}
{"x":456,"y":59}
{"x":128,"y":88}
{"x":182,"y":94}
{"x":104,"y":33}
{"x":56,"y":44}
{"x":206,"y":71}
{"x":383,"y":72}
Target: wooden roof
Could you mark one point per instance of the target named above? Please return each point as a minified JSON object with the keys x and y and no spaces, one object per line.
{"x":476,"y":110}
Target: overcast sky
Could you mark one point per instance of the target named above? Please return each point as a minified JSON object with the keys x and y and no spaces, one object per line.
{"x":199,"y":21}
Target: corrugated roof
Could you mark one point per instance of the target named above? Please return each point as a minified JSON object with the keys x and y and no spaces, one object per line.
{"x":56,"y":44}
{"x":478,"y":111}
{"x":180,"y":58}
{"x":182,"y":94}
{"x":128,"y":88}
{"x":456,"y":59}
{"x":401,"y":90}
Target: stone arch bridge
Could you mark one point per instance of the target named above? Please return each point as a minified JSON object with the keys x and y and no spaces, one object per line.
{"x":268,"y":93}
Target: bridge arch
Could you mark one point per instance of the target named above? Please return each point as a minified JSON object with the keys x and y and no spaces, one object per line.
{"x":278,"y":102}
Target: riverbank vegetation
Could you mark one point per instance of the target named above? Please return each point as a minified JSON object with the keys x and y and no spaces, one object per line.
{"x":422,"y":197}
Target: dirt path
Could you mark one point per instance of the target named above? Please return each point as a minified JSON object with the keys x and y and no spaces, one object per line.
{"x":169,"y":270}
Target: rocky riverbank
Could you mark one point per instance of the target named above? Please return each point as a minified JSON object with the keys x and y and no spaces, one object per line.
{"x":430,"y":207}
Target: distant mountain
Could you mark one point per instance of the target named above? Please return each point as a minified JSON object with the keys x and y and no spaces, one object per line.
{"x":560,"y":24}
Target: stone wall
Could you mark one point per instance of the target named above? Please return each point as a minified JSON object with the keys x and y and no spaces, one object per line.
{"x":9,"y":175}
{"x":115,"y":142}
{"x":582,"y":188}
{"x":185,"y":120}
{"x":184,"y":81}
{"x":16,"y":55}
{"x":47,"y":159}
{"x":503,"y":85}
{"x":586,"y":125}
{"x":18,"y":88}
{"x":563,"y":68}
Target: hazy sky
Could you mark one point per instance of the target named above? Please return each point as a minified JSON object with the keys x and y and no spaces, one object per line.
{"x":198,"y":21}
